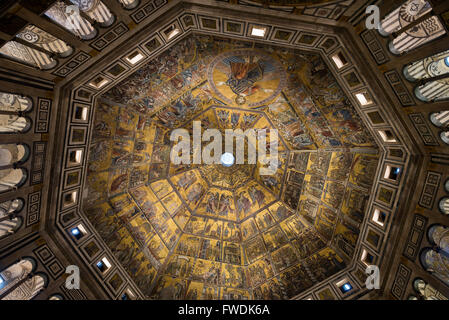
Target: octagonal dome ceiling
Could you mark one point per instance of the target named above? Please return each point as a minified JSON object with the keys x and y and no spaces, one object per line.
{"x":215,"y":232}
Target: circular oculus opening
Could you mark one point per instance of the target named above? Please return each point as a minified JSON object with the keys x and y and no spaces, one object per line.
{"x":227,"y":159}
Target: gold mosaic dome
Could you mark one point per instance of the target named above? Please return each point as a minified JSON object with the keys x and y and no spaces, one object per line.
{"x":211,"y":231}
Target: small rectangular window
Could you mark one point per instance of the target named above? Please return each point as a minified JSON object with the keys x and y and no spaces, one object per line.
{"x":70,"y":198}
{"x":379,"y":217}
{"x":78,"y":232}
{"x":367,"y":258}
{"x":392,"y":173}
{"x":103,"y":265}
{"x":344,"y":285}
{"x":75,"y":157}
{"x":258,"y":31}
{"x":364,"y":98}
{"x":128,"y":295}
{"x":171,"y":32}
{"x":81,"y":113}
{"x":134,"y":57}
{"x":387,"y":136}
{"x":339,"y":60}
{"x":98,"y":82}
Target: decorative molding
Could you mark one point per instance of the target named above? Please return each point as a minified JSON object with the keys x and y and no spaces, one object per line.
{"x":374,"y":46}
{"x":331,"y":11}
{"x":44,"y":254}
{"x":50,"y":262}
{"x":396,"y":83}
{"x":55,"y":268}
{"x":72,"y":64}
{"x":73,"y":294}
{"x":423,"y":129}
{"x":400,"y":282}
{"x":147,"y":10}
{"x":42,"y":115}
{"x":415,"y":237}
{"x":38,"y":161}
{"x":430,"y":189}
{"x":110,"y":36}
{"x":33,"y":209}
{"x":440,"y":158}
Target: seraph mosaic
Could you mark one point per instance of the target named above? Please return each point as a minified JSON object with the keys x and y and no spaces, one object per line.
{"x":214,"y":232}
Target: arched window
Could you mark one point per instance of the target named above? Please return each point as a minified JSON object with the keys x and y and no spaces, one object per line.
{"x":16,"y":273}
{"x":56,"y":297}
{"x":9,"y":222}
{"x":439,"y":236}
{"x":24,"y":54}
{"x":11,"y":154}
{"x":440,"y":119}
{"x":96,"y":10}
{"x":12,"y":178}
{"x":436,"y":260}
{"x":411,"y":32}
{"x":436,"y":263}
{"x":11,"y":106}
{"x":424,"y":32}
{"x":129,"y":4}
{"x":19,"y":283}
{"x":426,"y":291}
{"x":444,"y":135}
{"x":14,"y":103}
{"x":70,"y":19}
{"x":401,"y":17}
{"x":28,"y":289}
{"x":436,"y":90}
{"x":443,"y":205}
{"x":11,"y":207}
{"x":9,"y":226}
{"x":44,"y":40}
{"x":429,"y":67}
{"x":11,"y":123}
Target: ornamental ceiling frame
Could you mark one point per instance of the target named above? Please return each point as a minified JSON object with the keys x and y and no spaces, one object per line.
{"x":76,"y":135}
